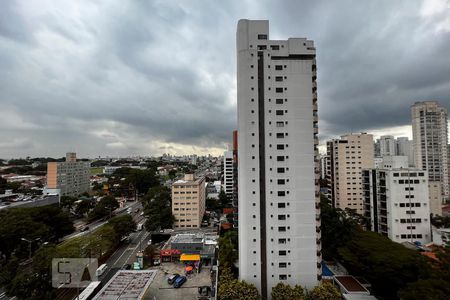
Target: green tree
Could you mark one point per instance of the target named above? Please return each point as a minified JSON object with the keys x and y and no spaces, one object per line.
{"x":223,"y":200}
{"x":68,"y":201}
{"x":387,"y":265}
{"x":285,"y":292}
{"x":172,"y":174}
{"x":37,"y":286}
{"x":336,"y":228}
{"x":84,"y":207}
{"x":123,"y":226}
{"x":104,"y":207}
{"x":426,"y":289}
{"x":212,"y":205}
{"x":231,"y":288}
{"x":227,"y":253}
{"x":325,"y":291}
{"x":157,"y":208}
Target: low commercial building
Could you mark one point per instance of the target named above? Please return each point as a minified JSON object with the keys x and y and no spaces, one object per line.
{"x":190,"y":247}
{"x":188,"y":202}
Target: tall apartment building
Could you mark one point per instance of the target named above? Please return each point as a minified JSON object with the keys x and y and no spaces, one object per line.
{"x":188,"y":201}
{"x":404,"y":147}
{"x":387,"y":145}
{"x":429,"y":125}
{"x":396,"y":201}
{"x":279,"y":228}
{"x":69,"y":178}
{"x":235,"y":199}
{"x":348,"y":156}
{"x":228,"y":174}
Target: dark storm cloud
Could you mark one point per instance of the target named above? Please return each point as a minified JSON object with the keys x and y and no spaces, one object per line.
{"x":141,"y":77}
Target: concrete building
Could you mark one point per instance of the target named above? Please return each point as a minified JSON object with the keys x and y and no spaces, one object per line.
{"x":429,"y":125}
{"x":235,"y":199}
{"x":396,"y":202}
{"x":404,"y":147}
{"x":228,"y":174}
{"x":188,"y":201}
{"x":279,"y":229}
{"x":387,"y":145}
{"x":69,"y":178}
{"x":391,"y":162}
{"x":348,"y":156}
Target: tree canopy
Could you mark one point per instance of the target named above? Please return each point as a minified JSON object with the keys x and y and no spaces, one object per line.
{"x":104,"y":207}
{"x":233,"y":289}
{"x":46,"y":223}
{"x":123,"y":225}
{"x":285,"y":292}
{"x":158,"y":209}
{"x":324,"y":291}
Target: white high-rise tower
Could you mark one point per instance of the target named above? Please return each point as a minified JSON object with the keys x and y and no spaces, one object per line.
{"x":279,"y":225}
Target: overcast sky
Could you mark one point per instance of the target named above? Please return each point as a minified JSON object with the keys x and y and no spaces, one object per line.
{"x":148,"y":77}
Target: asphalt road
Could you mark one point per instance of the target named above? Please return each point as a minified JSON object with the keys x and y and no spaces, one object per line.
{"x":125,"y":254}
{"x":96,"y":224}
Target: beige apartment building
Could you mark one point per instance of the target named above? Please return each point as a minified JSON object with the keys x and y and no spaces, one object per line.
{"x":430,"y":138}
{"x":347,"y":157}
{"x":69,"y":178}
{"x":188,"y":201}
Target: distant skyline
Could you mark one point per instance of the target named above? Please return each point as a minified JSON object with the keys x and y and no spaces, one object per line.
{"x":123,"y":78}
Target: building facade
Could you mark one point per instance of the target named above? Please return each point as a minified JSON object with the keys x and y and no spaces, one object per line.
{"x":429,"y":125}
{"x":228,"y":174}
{"x":387,"y":145}
{"x":396,"y":201}
{"x":348,"y":156}
{"x":69,"y":178}
{"x":188,"y":201}
{"x":404,"y":147}
{"x":235,"y":199}
{"x":279,"y":229}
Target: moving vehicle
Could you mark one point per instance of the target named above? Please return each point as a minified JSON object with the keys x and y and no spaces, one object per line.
{"x":172,"y":278}
{"x":101,"y":270}
{"x":85,"y":228}
{"x":179,"y":281}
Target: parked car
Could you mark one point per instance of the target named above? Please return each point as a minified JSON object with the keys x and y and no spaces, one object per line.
{"x":179,"y":281}
{"x":172,"y":278}
{"x":85,"y":228}
{"x":126,"y":267}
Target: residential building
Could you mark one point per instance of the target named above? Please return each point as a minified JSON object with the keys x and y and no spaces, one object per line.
{"x":69,"y":178}
{"x":387,"y":145}
{"x":279,"y":225}
{"x":430,"y":138}
{"x":235,"y":199}
{"x":396,"y":202}
{"x":348,"y":156}
{"x":391,"y":162}
{"x":188,"y":201}
{"x":405,"y":148}
{"x":228,"y":174}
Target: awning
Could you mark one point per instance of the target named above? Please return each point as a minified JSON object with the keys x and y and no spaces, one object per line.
{"x":189,"y":257}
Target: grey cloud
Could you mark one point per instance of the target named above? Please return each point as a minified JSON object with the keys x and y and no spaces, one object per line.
{"x":133,"y":73}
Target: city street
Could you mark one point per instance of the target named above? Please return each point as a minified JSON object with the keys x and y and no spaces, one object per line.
{"x":96,"y":224}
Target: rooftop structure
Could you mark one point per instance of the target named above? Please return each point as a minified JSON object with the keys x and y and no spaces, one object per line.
{"x":129,"y":285}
